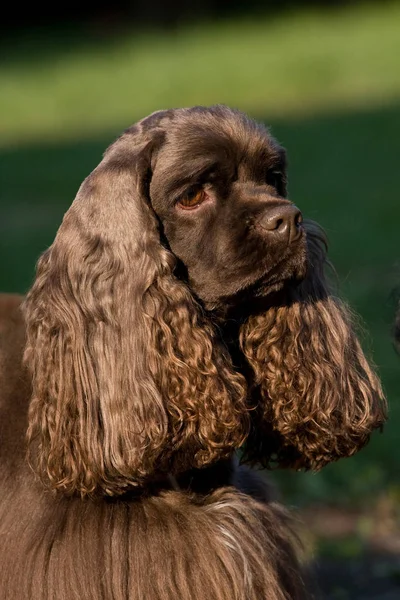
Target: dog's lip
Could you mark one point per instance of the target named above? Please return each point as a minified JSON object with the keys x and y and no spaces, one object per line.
{"x":271,"y":276}
{"x":266,"y":283}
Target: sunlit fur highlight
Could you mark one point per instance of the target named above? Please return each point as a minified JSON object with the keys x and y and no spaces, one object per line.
{"x":175,"y":545}
{"x":319,"y":399}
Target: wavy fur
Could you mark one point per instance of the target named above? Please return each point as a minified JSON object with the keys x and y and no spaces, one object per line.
{"x":175,"y":545}
{"x":161,"y":337}
{"x":129,"y":378}
{"x":319,"y":399}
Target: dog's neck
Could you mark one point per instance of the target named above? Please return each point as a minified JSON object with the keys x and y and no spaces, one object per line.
{"x":229,"y":315}
{"x":195,"y":481}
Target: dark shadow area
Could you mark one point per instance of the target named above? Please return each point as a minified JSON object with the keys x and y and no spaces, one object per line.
{"x":372,"y":576}
{"x":159,"y":13}
{"x":343,"y":172}
{"x":40,"y":33}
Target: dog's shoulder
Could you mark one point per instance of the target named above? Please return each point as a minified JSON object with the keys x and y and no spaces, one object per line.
{"x":15,"y":389}
{"x":12,"y":335}
{"x":10,"y":308}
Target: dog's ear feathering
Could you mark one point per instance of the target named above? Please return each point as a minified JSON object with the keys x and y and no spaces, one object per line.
{"x":318,"y":397}
{"x":132,"y":381}
{"x":129,"y":381}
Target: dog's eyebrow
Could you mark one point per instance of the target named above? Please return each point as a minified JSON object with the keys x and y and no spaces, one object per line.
{"x":195,"y":173}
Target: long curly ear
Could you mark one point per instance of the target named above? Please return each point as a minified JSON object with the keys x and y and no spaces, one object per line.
{"x":318,"y":399}
{"x":129,"y":381}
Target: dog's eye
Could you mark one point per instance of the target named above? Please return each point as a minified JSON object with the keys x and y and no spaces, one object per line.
{"x":192,"y":199}
{"x":273,"y":179}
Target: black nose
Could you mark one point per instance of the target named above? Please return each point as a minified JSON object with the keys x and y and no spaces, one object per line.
{"x":284,"y":222}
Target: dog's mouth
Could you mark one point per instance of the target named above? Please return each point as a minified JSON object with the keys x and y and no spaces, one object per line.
{"x":288,"y":272}
{"x":290,"y":269}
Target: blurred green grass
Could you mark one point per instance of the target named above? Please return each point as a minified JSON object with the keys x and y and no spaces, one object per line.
{"x":327,"y":83}
{"x":61,"y":84}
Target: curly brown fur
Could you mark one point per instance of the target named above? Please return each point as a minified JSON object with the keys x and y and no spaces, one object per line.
{"x":180,"y":314}
{"x":320,"y":400}
{"x":218,"y":536}
{"x":129,"y":378}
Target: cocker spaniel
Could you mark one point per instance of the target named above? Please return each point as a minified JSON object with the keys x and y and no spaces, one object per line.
{"x":182,"y":313}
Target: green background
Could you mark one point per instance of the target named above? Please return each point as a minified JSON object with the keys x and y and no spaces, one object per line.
{"x":327,"y":82}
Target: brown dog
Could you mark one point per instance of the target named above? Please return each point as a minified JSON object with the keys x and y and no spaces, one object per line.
{"x":181,"y":313}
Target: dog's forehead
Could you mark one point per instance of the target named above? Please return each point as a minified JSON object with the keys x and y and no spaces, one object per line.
{"x":190,"y":140}
{"x":200,"y":138}
{"x":220,"y":130}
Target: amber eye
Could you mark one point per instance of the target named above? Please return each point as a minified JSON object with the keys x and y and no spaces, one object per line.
{"x":192,"y":198}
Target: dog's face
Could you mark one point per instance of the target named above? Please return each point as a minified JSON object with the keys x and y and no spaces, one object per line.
{"x":218,"y":188}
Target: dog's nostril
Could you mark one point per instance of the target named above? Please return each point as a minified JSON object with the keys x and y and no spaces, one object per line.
{"x":283,"y":221}
{"x":298,"y":219}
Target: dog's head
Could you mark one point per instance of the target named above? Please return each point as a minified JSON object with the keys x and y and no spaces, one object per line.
{"x":132,"y":379}
{"x":218,"y":188}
